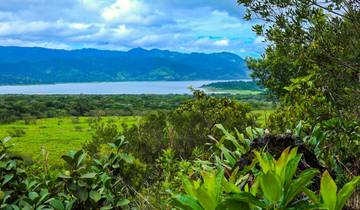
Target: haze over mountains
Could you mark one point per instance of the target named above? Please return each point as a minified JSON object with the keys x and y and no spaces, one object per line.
{"x":22,"y":65}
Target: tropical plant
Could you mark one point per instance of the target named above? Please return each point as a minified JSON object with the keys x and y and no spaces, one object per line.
{"x":276,"y":186}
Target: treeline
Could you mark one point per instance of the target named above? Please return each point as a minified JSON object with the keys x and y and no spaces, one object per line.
{"x":235,"y":85}
{"x":29,"y":107}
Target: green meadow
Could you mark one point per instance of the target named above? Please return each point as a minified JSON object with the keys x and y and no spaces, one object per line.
{"x":60,"y":135}
{"x":56,"y":135}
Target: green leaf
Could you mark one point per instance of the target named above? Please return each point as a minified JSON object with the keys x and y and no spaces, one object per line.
{"x":312,"y":195}
{"x":328,"y":190}
{"x":245,"y":197}
{"x":82,"y":193}
{"x":186,"y":202}
{"x":79,"y":158}
{"x":346,"y":192}
{"x":291,"y":168}
{"x":264,"y":164}
{"x":88,"y":176}
{"x":298,"y":185}
{"x":95,"y":196}
{"x":2,"y":195}
{"x":69,"y":160}
{"x":7,"y":178}
{"x":33,"y":195}
{"x":188,"y":186}
{"x":228,"y":156}
{"x":56,"y":204}
{"x":233,"y":205}
{"x":63,"y":176}
{"x":271,"y":186}
{"x":122,"y":203}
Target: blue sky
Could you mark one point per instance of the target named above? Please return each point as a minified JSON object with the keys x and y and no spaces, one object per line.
{"x":178,"y":25}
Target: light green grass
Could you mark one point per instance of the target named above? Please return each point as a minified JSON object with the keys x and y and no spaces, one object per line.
{"x":57,"y":135}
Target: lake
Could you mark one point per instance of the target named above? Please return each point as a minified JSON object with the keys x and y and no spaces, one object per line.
{"x":103,"y":88}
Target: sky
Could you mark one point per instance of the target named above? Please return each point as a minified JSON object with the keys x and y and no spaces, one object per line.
{"x":177,"y":25}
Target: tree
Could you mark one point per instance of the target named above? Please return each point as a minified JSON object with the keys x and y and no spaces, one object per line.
{"x":312,"y":65}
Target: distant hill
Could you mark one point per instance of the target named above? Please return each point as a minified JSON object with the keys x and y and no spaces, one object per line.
{"x":21,"y":65}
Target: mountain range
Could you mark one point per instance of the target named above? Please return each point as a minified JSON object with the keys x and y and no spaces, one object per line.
{"x":29,"y":65}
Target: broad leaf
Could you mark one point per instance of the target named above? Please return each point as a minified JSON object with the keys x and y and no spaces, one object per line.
{"x":346,"y":192}
{"x":95,"y":196}
{"x":298,"y":185}
{"x":271,"y":186}
{"x":186,"y":202}
{"x":56,"y":204}
{"x":122,"y":203}
{"x":328,"y":191}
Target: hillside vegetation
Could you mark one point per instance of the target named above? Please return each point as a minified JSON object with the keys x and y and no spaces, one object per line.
{"x":39,"y":65}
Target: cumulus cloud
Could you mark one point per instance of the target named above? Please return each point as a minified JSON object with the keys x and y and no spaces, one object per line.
{"x":197,"y":25}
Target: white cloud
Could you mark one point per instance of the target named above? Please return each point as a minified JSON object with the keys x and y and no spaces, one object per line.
{"x":124,"y":11}
{"x":223,"y":42}
{"x":17,"y":42}
{"x":21,"y":27}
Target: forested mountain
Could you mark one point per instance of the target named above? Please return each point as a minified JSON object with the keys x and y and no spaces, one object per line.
{"x":21,"y":65}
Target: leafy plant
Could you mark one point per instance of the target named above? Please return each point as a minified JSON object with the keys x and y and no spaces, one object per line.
{"x":276,"y":186}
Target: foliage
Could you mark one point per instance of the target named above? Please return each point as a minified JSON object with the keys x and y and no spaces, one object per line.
{"x":311,"y":65}
{"x":188,"y":126}
{"x":31,"y":107}
{"x":102,"y":132}
{"x":83,"y":185}
{"x":275,"y":187}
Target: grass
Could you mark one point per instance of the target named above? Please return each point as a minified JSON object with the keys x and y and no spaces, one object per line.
{"x":57,"y":135}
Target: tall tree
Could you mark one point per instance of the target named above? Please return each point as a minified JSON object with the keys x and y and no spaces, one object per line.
{"x":312,"y":64}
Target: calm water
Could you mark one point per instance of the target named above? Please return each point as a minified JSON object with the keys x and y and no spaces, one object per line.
{"x":158,"y":87}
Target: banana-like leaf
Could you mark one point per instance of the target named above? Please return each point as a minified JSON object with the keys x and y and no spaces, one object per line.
{"x":291,"y":168}
{"x":271,"y":186}
{"x":298,"y":185}
{"x":328,"y":191}
{"x":345,"y":192}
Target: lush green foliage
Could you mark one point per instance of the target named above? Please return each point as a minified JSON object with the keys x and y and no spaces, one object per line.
{"x":28,"y":108}
{"x":275,"y":187}
{"x":312,"y":66}
{"x":188,"y":126}
{"x":83,"y":185}
{"x":31,"y":107}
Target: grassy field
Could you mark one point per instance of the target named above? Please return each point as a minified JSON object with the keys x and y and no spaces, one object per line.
{"x":57,"y":135}
{"x":60,"y":135}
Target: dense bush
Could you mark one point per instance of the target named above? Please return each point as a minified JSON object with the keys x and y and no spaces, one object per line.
{"x":187,"y":127}
{"x":84,"y":184}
